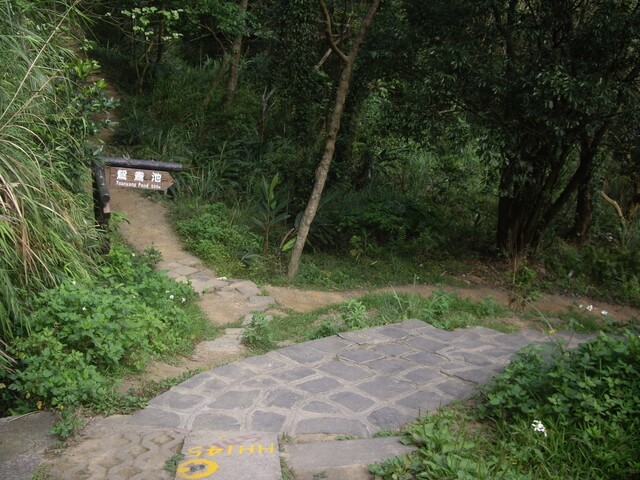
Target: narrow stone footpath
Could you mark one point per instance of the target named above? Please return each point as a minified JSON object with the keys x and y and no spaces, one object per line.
{"x":227,"y":422}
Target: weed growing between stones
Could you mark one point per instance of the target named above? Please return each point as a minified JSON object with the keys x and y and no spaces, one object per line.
{"x":258,"y":335}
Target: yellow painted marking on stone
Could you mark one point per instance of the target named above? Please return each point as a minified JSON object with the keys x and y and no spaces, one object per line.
{"x":196,"y":468}
{"x":242,"y":449}
{"x":262,"y":449}
{"x":195,"y":451}
{"x":213,"y":450}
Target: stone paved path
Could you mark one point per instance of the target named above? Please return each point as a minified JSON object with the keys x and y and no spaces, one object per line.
{"x":356,"y":383}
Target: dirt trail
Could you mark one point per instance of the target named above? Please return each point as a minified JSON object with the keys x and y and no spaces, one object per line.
{"x":308,"y":300}
{"x":147,"y":224}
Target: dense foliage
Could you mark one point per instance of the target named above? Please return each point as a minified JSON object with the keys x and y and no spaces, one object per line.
{"x":553,"y":414}
{"x":46,"y":230}
{"x":469,"y":127}
{"x":82,"y":332}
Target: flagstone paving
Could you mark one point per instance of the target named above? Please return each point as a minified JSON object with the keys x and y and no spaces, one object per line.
{"x":358,"y":383}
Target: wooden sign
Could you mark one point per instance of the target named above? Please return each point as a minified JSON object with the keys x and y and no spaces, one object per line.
{"x":139,"y":178}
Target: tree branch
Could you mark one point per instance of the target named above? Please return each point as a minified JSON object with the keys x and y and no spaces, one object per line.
{"x":329,"y":33}
{"x":325,"y":57}
{"x":613,"y":203}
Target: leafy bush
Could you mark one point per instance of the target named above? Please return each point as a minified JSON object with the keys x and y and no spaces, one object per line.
{"x":258,"y":334}
{"x":51,"y":374}
{"x":83,"y":332}
{"x":597,"y":383}
{"x":354,"y":315}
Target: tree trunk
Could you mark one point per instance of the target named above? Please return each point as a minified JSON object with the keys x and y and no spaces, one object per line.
{"x":236,"y":55}
{"x":216,"y":80}
{"x":584,"y":214}
{"x":332,"y":133}
{"x":159,"y":40}
{"x":524,"y":216}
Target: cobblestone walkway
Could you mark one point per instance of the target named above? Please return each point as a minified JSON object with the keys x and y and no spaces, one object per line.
{"x":356,"y":383}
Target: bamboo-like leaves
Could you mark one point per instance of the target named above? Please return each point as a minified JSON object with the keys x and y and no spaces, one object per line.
{"x":44,"y":226}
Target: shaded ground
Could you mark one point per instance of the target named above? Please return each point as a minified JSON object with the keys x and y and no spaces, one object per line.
{"x":147,"y":225}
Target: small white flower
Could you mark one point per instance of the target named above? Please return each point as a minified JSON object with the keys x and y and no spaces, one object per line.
{"x":590,"y":307}
{"x":170,"y":297}
{"x":133,"y":254}
{"x":73,"y":282}
{"x":184,"y":299}
{"x":581,"y":306}
{"x":539,"y":427}
{"x":84,"y":309}
{"x":604,"y":313}
{"x":167,"y":291}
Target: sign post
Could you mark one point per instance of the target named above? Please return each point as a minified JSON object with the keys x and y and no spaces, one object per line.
{"x":127,"y":173}
{"x":138,"y":178}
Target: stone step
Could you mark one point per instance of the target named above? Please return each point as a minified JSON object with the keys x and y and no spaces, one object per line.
{"x":340,"y":459}
{"x":23,"y":442}
{"x":230,"y":455}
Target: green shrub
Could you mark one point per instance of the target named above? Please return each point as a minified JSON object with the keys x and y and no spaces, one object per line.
{"x":112,"y":327}
{"x":83,"y":332}
{"x":354,"y":315}
{"x":258,"y":334}
{"x":211,"y":234}
{"x":49,"y":374}
{"x":596,"y":382}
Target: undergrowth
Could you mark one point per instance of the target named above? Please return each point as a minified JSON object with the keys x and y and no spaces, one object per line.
{"x":441,"y":309}
{"x":85,"y":334}
{"x":553,"y":413}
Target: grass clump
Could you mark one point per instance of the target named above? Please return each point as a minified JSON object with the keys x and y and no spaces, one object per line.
{"x":441,"y":309}
{"x":552,"y":414}
{"x":258,"y":335}
{"x":445,"y":310}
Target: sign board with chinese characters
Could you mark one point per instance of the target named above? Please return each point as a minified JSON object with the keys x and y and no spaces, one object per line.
{"x":139,"y":178}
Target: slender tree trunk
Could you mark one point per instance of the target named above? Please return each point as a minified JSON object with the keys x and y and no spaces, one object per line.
{"x":236,"y":55}
{"x":334,"y":126}
{"x":160,"y":41}
{"x":584,"y":214}
{"x":216,"y":80}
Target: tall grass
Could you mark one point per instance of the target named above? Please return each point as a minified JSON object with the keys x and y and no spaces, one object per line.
{"x":45,"y":228}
